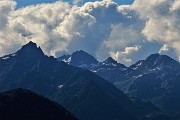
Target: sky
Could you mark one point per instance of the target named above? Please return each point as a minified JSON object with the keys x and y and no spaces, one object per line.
{"x":104,"y":28}
{"x":22,"y":3}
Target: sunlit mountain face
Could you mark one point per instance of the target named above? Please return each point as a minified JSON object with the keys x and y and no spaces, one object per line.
{"x":23,"y":3}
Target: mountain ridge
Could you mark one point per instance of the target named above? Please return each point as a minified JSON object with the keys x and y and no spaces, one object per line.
{"x":80,"y":91}
{"x":154,"y":79}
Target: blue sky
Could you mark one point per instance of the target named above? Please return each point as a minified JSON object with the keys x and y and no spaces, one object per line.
{"x":22,"y":3}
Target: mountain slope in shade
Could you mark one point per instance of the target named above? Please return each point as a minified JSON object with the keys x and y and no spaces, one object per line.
{"x":155,"y":79}
{"x":92,"y":92}
{"x":20,"y":104}
{"x":80,"y":91}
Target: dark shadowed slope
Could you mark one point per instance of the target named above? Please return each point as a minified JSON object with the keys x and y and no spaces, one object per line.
{"x":20,"y":104}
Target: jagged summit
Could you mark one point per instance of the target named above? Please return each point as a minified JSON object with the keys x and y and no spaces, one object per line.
{"x":153,"y":57}
{"x":29,"y":45}
{"x":79,"y":58}
{"x":158,"y":57}
{"x":28,"y":50}
{"x":31,"y":48}
{"x":156,"y":60}
{"x":82,"y":57}
{"x":81,"y":52}
{"x":110,"y":60}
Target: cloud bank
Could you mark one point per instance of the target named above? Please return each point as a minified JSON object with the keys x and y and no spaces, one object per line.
{"x":102,"y":28}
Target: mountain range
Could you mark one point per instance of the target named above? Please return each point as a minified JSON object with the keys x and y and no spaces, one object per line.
{"x":155,"y":79}
{"x":82,"y":92}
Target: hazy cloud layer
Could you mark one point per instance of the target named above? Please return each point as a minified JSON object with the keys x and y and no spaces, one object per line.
{"x":102,"y":28}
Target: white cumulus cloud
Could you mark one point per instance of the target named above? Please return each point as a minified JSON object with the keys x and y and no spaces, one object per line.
{"x":102,"y":28}
{"x":125,"y":56}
